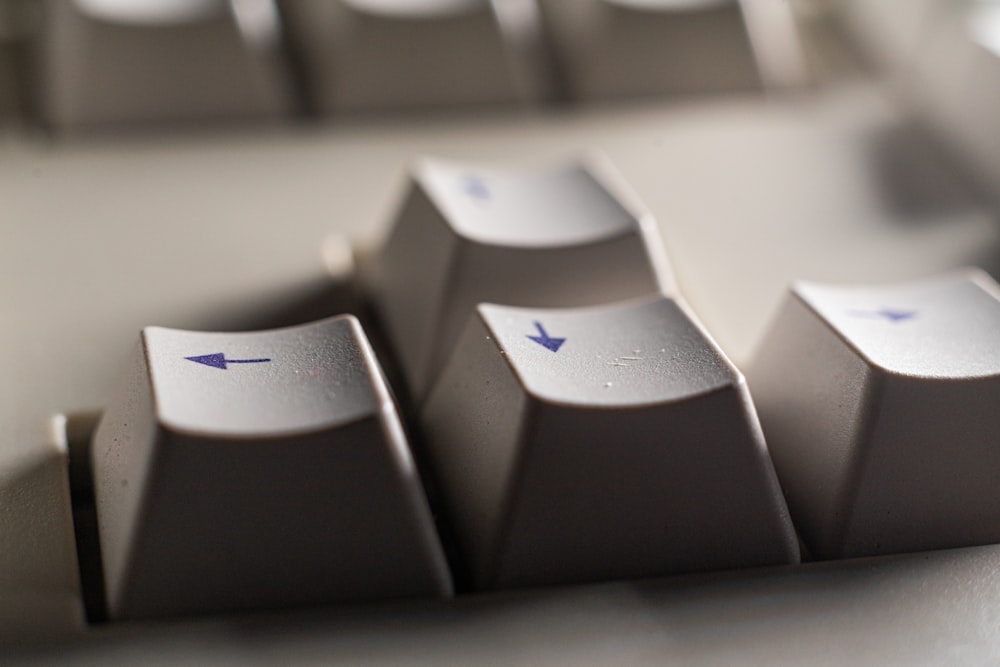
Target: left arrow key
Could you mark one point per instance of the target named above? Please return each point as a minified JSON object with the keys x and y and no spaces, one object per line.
{"x":229,"y":491}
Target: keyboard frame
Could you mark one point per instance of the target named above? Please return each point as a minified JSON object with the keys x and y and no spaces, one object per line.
{"x":220,"y":230}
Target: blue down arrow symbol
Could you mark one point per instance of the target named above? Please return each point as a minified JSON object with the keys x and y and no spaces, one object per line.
{"x":545,"y":340}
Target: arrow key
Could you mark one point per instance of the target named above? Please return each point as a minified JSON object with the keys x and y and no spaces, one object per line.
{"x":570,"y":235}
{"x":879,"y":404}
{"x":600,"y":443}
{"x":258,"y":470}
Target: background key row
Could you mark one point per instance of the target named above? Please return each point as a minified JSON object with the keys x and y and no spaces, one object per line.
{"x":106,"y":63}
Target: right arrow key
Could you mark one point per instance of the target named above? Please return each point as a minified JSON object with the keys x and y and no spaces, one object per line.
{"x":600,"y":443}
{"x":881,"y":406}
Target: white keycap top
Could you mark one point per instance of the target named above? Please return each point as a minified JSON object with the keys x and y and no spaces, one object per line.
{"x":609,"y":48}
{"x":525,"y":208}
{"x":566,"y":236}
{"x":108,"y":63}
{"x":600,"y":443}
{"x":258,"y":470}
{"x":879,"y":405}
{"x":362,"y":55}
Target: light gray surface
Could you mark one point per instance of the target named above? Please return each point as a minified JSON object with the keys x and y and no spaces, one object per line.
{"x":221,"y":232}
{"x":562,"y":205}
{"x":954,"y":84}
{"x":884,"y":431}
{"x":942,"y":57}
{"x":633,"y":354}
{"x":556,"y":474}
{"x":919,"y":610}
{"x":380,"y":55}
{"x":314,"y":378}
{"x":614,"y":48}
{"x":282,"y":483}
{"x":943,"y":327}
{"x":891,"y":32}
{"x":112,"y":64}
{"x":504,"y":237}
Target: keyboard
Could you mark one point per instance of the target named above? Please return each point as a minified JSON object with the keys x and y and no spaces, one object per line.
{"x":868,"y":173}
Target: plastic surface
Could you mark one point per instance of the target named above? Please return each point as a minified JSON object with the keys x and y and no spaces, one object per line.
{"x":378,"y":55}
{"x":104,"y":65}
{"x":453,"y":247}
{"x":620,"y":445}
{"x":222,"y":233}
{"x":611,"y":48}
{"x":878,"y":405}
{"x":258,"y":482}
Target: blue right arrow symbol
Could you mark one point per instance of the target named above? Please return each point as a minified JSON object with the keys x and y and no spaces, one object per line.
{"x":890,"y":314}
{"x":545,"y":340}
{"x":896,"y":315}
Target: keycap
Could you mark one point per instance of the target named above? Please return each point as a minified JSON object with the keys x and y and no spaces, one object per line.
{"x":983,"y":143}
{"x":362,"y":55}
{"x":258,"y":470}
{"x":16,"y":23}
{"x":564,"y":236}
{"x":879,"y":404}
{"x":954,"y":85}
{"x":891,"y":33}
{"x":611,"y":48}
{"x":600,"y":443}
{"x":108,"y":63}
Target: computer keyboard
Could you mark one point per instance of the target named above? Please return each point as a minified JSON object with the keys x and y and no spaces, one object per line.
{"x":860,"y":178}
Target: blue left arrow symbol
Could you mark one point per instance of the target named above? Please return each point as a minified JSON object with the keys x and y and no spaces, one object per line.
{"x":218,"y":360}
{"x":545,"y":340}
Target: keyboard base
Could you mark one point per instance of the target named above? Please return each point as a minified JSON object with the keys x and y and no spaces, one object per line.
{"x":222,"y":231}
{"x":920,"y":609}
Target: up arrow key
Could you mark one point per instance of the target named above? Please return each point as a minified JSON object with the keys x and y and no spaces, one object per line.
{"x":545,"y":340}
